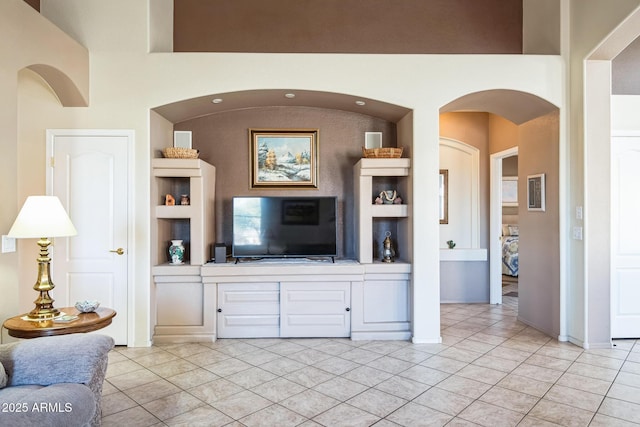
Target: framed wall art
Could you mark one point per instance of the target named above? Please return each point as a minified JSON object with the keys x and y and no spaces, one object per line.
{"x":535,"y":192}
{"x":509,"y":191}
{"x":286,"y":158}
{"x":444,"y":196}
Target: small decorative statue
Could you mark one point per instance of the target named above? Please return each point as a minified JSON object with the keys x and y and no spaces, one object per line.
{"x":388,"y":253}
{"x":169,"y":200}
{"x":451,"y":244}
{"x":184,"y":200}
{"x":388,"y":196}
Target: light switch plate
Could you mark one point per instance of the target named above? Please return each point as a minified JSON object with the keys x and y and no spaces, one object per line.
{"x":8,"y":244}
{"x":577,"y":233}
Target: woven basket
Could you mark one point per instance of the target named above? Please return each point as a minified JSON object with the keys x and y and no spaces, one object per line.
{"x":180,"y":153}
{"x":382,"y":153}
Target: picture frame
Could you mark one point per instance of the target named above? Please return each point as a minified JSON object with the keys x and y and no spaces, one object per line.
{"x":182,"y":139}
{"x":510,"y":191}
{"x":444,"y":196}
{"x":283,"y":158}
{"x":536,"y":192}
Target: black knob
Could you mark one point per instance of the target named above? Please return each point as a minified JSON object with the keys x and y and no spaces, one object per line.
{"x":348,"y":309}
{"x":219,"y":310}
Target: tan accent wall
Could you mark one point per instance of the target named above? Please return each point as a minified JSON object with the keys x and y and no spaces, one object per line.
{"x":223,"y":141}
{"x":539,"y":248}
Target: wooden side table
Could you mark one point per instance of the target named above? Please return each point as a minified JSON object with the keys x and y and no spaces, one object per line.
{"x":86,"y":322}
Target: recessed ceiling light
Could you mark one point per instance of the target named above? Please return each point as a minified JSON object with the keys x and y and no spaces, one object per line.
{"x":361,"y":103}
{"x":216,"y":100}
{"x":290,"y":95}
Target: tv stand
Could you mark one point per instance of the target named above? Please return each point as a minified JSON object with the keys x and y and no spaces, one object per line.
{"x":285,"y":260}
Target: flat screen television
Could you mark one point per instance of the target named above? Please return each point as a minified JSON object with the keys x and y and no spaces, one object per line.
{"x":284,"y":227}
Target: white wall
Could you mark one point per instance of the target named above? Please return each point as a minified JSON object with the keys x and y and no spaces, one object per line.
{"x":126,"y":82}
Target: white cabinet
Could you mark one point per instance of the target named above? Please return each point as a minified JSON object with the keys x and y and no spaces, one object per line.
{"x":381,"y":303}
{"x":182,"y":309}
{"x":315,"y":309}
{"x":182,"y":305}
{"x":248,"y":310}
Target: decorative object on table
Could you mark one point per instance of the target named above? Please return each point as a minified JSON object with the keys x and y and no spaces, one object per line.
{"x":451,"y":244}
{"x":388,"y":253}
{"x":378,"y":201}
{"x":184,"y":200}
{"x":169,"y":200}
{"x":444,"y":196}
{"x":180,"y":153}
{"x":176,"y":252}
{"x":389,"y":197}
{"x":43,"y":216}
{"x":536,"y":192}
{"x":67,"y":318}
{"x":283,"y":158}
{"x":382,"y":153}
{"x":87,"y":306}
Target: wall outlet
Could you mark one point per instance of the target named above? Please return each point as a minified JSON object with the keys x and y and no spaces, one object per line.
{"x":577,"y":233}
{"x":8,"y":244}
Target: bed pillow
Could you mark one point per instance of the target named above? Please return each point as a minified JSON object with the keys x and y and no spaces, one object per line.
{"x":505,"y":230}
{"x":514,"y":230}
{"x":3,"y":376}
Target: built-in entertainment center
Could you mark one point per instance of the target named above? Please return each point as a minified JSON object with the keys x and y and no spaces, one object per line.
{"x":290,"y":283}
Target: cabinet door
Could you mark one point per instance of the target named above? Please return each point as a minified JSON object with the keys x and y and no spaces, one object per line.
{"x":381,"y":309}
{"x":315,"y":309}
{"x":248,"y":310}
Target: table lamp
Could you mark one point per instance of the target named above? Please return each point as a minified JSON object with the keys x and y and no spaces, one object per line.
{"x":42,"y":216}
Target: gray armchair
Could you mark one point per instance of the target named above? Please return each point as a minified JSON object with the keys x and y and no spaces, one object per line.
{"x":54,"y":381}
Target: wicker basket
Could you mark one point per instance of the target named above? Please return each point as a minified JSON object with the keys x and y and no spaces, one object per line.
{"x":382,"y":153}
{"x":180,"y":153}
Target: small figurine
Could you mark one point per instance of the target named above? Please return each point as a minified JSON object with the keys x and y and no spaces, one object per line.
{"x":387,"y":249}
{"x":388,"y":196}
{"x":451,"y":244}
{"x":169,"y":200}
{"x":378,"y":201}
{"x":184,"y":200}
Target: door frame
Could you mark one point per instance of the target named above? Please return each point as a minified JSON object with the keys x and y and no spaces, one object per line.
{"x":129,"y":134}
{"x":495,"y":223}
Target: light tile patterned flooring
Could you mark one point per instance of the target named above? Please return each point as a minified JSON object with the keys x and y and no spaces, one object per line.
{"x":490,"y":370}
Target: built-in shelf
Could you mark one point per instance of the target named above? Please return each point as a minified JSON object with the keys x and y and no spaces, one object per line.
{"x":178,"y":211}
{"x":463,"y":254}
{"x":389,"y":211}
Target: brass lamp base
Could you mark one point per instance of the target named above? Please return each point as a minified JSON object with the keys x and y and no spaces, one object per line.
{"x":44,"y":309}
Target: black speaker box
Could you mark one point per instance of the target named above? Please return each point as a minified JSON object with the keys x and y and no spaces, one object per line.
{"x":220,"y":253}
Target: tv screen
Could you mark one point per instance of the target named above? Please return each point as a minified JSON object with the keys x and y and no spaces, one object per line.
{"x":284,"y":227}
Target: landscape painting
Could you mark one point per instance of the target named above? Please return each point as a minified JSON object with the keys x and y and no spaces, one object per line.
{"x":284,"y":158}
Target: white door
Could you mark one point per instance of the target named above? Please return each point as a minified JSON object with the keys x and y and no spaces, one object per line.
{"x":89,"y":173}
{"x":625,"y":237}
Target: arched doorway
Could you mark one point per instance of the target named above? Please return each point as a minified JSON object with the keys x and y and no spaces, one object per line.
{"x":530,"y":125}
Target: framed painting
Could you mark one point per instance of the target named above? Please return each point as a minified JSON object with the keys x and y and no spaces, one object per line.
{"x":285,"y":158}
{"x":535,"y":192}
{"x":509,"y":191}
{"x":444,"y":196}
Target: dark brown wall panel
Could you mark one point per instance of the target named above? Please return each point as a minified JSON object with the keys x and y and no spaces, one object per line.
{"x":348,"y":26}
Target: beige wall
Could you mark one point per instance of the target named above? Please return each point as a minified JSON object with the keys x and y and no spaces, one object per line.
{"x":539,"y":244}
{"x":127,"y":82}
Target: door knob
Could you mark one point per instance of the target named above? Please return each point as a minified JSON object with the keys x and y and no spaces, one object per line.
{"x":118,"y":251}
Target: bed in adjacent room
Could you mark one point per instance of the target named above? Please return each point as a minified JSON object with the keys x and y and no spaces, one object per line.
{"x":510,"y":236}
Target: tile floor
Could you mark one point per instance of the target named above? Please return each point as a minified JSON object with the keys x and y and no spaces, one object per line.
{"x":490,"y":370}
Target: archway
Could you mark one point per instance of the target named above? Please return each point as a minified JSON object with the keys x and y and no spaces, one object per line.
{"x":530,"y":124}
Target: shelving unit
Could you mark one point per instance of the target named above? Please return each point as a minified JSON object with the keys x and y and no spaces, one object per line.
{"x":370,"y":177}
{"x":182,"y":308}
{"x":381,"y":302}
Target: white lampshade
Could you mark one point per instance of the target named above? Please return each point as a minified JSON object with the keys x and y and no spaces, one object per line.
{"x":42,"y":216}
